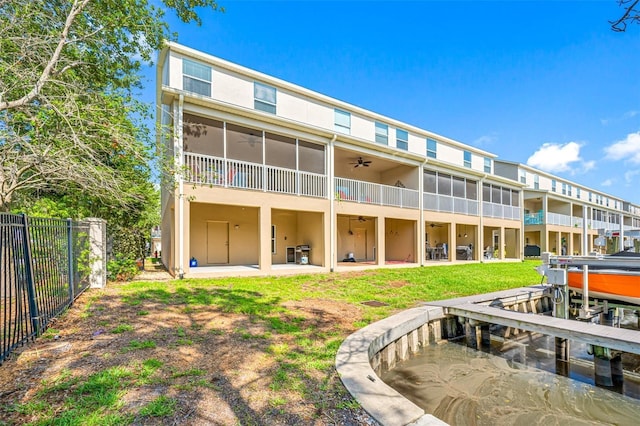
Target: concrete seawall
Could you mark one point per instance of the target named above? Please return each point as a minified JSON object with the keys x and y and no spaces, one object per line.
{"x":377,"y":347}
{"x":365,"y":354}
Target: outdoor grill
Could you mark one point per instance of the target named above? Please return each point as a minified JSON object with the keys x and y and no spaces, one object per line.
{"x":302,"y":254}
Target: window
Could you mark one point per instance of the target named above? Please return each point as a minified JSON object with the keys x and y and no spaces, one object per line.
{"x":590,"y":196}
{"x":342,"y":121}
{"x":264,"y":97}
{"x":487,"y":165}
{"x":569,"y":189}
{"x":382,"y":133}
{"x":273,"y":239}
{"x":536,"y":182}
{"x":564,"y":189}
{"x":467,"y":159}
{"x":553,"y":185}
{"x":196,"y":77}
{"x":432,"y":146}
{"x":577,"y":192}
{"x":523,"y":177}
{"x":402,"y":139}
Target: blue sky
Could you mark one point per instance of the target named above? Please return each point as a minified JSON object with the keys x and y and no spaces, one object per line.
{"x":545,"y":83}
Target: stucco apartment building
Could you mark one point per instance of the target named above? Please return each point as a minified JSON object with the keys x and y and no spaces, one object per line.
{"x":275,"y":178}
{"x":564,"y":217}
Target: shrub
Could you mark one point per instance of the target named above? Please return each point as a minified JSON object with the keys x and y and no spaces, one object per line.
{"x":121,"y":268}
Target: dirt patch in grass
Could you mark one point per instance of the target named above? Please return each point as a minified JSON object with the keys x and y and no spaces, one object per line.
{"x":184,"y":356}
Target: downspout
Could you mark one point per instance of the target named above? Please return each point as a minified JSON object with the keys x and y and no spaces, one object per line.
{"x":332,"y":209}
{"x":180,"y":163}
{"x":421,"y":228}
{"x":481,"y":215}
{"x":585,"y":232}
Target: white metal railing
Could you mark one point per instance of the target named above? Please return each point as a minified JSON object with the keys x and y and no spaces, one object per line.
{"x":216,"y":171}
{"x":558,"y":219}
{"x":375,"y":193}
{"x":449,"y":204}
{"x":501,"y":211}
{"x":607,"y":226}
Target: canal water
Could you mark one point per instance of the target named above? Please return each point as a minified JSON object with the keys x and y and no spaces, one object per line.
{"x":514,"y":383}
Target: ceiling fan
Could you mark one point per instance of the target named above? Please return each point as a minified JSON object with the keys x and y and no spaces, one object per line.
{"x":359,"y":219}
{"x":361,"y":163}
{"x":435,"y":225}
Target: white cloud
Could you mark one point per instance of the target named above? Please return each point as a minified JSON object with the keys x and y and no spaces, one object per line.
{"x":607,"y":182}
{"x":588,"y":166}
{"x":552,"y":157}
{"x":627,"y":149}
{"x":626,"y":116}
{"x":628,"y":176}
{"x":486,"y":139}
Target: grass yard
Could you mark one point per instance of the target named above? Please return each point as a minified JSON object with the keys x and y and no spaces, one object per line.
{"x":228,"y":351}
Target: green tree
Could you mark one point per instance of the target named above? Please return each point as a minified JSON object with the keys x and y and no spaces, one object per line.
{"x":69,"y":72}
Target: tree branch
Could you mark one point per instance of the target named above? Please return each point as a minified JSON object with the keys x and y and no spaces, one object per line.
{"x":630,"y":15}
{"x":76,"y":9}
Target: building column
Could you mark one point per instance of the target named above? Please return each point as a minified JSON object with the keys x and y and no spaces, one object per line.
{"x":380,"y":240}
{"x":503,"y":245}
{"x":451,"y":244}
{"x":621,"y":240}
{"x":264,"y":258}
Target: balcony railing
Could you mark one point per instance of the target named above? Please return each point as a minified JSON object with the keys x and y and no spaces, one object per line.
{"x":534,"y":218}
{"x":558,"y":219}
{"x":375,"y":193}
{"x":216,"y":171}
{"x":500,"y":211}
{"x":448,"y":204}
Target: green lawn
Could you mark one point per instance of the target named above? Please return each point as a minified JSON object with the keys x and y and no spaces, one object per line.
{"x":166,"y":349}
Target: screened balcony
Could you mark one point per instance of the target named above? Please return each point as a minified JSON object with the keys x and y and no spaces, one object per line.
{"x":373,"y":193}
{"x":215,"y":171}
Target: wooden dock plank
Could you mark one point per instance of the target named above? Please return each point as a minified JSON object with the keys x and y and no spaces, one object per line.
{"x":610,"y":337}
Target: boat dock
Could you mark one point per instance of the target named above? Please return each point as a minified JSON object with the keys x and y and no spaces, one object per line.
{"x":490,"y":308}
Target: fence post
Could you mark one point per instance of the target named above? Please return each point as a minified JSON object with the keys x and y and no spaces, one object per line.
{"x":98,"y":258}
{"x":72,"y":277}
{"x":28,"y":272}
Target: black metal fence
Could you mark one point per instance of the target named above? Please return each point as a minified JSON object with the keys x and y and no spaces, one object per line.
{"x":44,"y":266}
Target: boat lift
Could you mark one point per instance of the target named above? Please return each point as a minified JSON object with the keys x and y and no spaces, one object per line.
{"x":584,"y":263}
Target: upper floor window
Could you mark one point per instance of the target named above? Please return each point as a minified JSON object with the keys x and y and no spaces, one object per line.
{"x":432,"y":147}
{"x":590,"y":196}
{"x":553,"y":185}
{"x":536,"y":182}
{"x":382,"y":133}
{"x":467,"y":158}
{"x":523,"y":176}
{"x":569,"y":190}
{"x":342,"y":121}
{"x":564,"y":188}
{"x":578,"y":193}
{"x":196,"y":78}
{"x":264,"y":97}
{"x":402,"y":139}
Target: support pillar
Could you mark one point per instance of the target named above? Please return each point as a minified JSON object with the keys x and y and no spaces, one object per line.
{"x":98,"y":252}
{"x":562,"y":356}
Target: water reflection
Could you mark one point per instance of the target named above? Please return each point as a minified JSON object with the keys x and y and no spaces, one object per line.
{"x":463,"y":386}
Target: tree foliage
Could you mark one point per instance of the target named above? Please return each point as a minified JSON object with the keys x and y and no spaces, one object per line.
{"x":69,"y":72}
{"x":631,"y":14}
